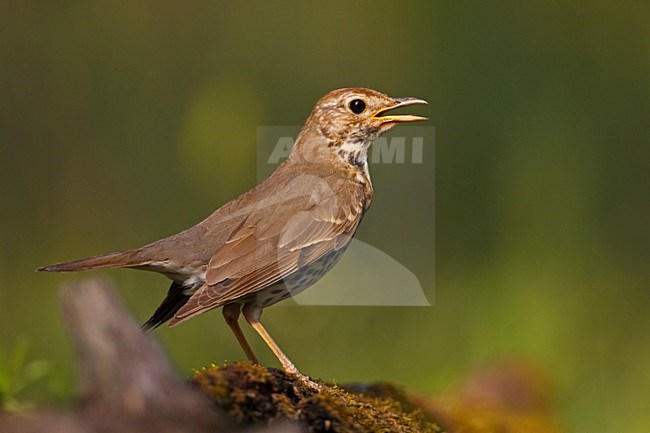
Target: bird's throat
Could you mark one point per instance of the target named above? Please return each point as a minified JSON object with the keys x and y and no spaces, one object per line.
{"x":354,"y":159}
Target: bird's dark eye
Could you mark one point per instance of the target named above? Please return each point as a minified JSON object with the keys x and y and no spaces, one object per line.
{"x":357,"y":106}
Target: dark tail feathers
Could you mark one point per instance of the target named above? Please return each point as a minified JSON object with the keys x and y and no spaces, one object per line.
{"x":171,"y":304}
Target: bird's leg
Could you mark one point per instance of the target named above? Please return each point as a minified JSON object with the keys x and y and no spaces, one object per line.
{"x":252,"y":314}
{"x":231,"y":314}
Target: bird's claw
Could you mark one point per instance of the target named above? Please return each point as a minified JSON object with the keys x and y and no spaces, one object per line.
{"x":306,"y":380}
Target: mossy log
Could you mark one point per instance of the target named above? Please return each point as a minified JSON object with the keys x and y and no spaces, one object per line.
{"x":509,"y":401}
{"x":255,"y":394}
{"x":126,"y":384}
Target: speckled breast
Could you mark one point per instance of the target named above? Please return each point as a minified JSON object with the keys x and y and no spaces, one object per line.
{"x":297,"y":281}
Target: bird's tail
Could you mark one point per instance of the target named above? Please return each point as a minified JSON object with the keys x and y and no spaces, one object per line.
{"x":176,"y":298}
{"x":122,"y":259}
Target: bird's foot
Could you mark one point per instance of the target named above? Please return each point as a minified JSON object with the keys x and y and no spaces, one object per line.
{"x":315,"y":386}
{"x":306,"y":380}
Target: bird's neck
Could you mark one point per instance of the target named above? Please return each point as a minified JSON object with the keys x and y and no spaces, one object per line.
{"x":347,"y":155}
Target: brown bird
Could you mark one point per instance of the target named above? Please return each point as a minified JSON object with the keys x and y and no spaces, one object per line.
{"x":280,"y":237}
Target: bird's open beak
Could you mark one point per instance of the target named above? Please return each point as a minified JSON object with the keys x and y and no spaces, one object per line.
{"x":400,"y":102}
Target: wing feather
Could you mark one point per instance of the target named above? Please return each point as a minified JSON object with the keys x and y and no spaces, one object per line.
{"x":262,"y":252}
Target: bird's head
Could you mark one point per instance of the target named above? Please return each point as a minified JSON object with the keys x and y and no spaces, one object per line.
{"x":345,"y":122}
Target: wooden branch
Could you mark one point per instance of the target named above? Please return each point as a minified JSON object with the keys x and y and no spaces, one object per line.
{"x":125,"y":383}
{"x":120,"y":368}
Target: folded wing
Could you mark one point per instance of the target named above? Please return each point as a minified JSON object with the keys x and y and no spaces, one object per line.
{"x":275,"y":241}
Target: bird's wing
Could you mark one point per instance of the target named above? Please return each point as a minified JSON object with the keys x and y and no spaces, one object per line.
{"x":273,"y":243}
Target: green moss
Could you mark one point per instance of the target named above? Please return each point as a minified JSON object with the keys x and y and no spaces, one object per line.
{"x":256,"y":394}
{"x":384,"y":390}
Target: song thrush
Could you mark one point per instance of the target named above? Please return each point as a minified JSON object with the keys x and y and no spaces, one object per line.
{"x":281,"y":236}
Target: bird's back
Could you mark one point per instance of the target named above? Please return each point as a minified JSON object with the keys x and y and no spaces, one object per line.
{"x":288,"y":191}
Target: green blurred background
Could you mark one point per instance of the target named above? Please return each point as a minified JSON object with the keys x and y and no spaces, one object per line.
{"x":122,"y":122}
